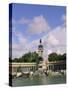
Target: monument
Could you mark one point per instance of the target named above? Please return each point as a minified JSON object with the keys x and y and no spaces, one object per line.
{"x":42,"y":61}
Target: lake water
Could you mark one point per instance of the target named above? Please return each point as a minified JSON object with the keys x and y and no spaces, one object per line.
{"x":44,"y":80}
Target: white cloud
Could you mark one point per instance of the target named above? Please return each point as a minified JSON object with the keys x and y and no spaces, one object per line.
{"x":13,"y":21}
{"x":49,"y":51}
{"x":60,"y":34}
{"x":23,"y":21}
{"x":54,"y":41}
{"x":21,"y":38}
{"x":19,"y":48}
{"x":63,"y":17}
{"x":58,"y":52}
{"x":38,"y":25}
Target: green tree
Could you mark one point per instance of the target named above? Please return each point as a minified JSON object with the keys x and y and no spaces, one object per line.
{"x":28,"y":57}
{"x":57,"y":57}
{"x":52,"y":57}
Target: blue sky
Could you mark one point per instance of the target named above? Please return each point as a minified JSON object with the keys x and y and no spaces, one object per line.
{"x":32,"y":22}
{"x":52,"y":13}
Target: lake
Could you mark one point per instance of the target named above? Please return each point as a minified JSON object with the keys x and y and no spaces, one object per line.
{"x":43,"y":80}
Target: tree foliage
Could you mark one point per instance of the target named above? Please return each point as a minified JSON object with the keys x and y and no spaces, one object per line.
{"x":28,"y":57}
{"x":57,"y":57}
{"x":33,"y":57}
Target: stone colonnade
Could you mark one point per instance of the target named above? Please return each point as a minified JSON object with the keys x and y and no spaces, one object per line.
{"x":23,"y":69}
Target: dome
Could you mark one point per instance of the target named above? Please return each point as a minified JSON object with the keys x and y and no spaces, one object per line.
{"x":40,"y":46}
